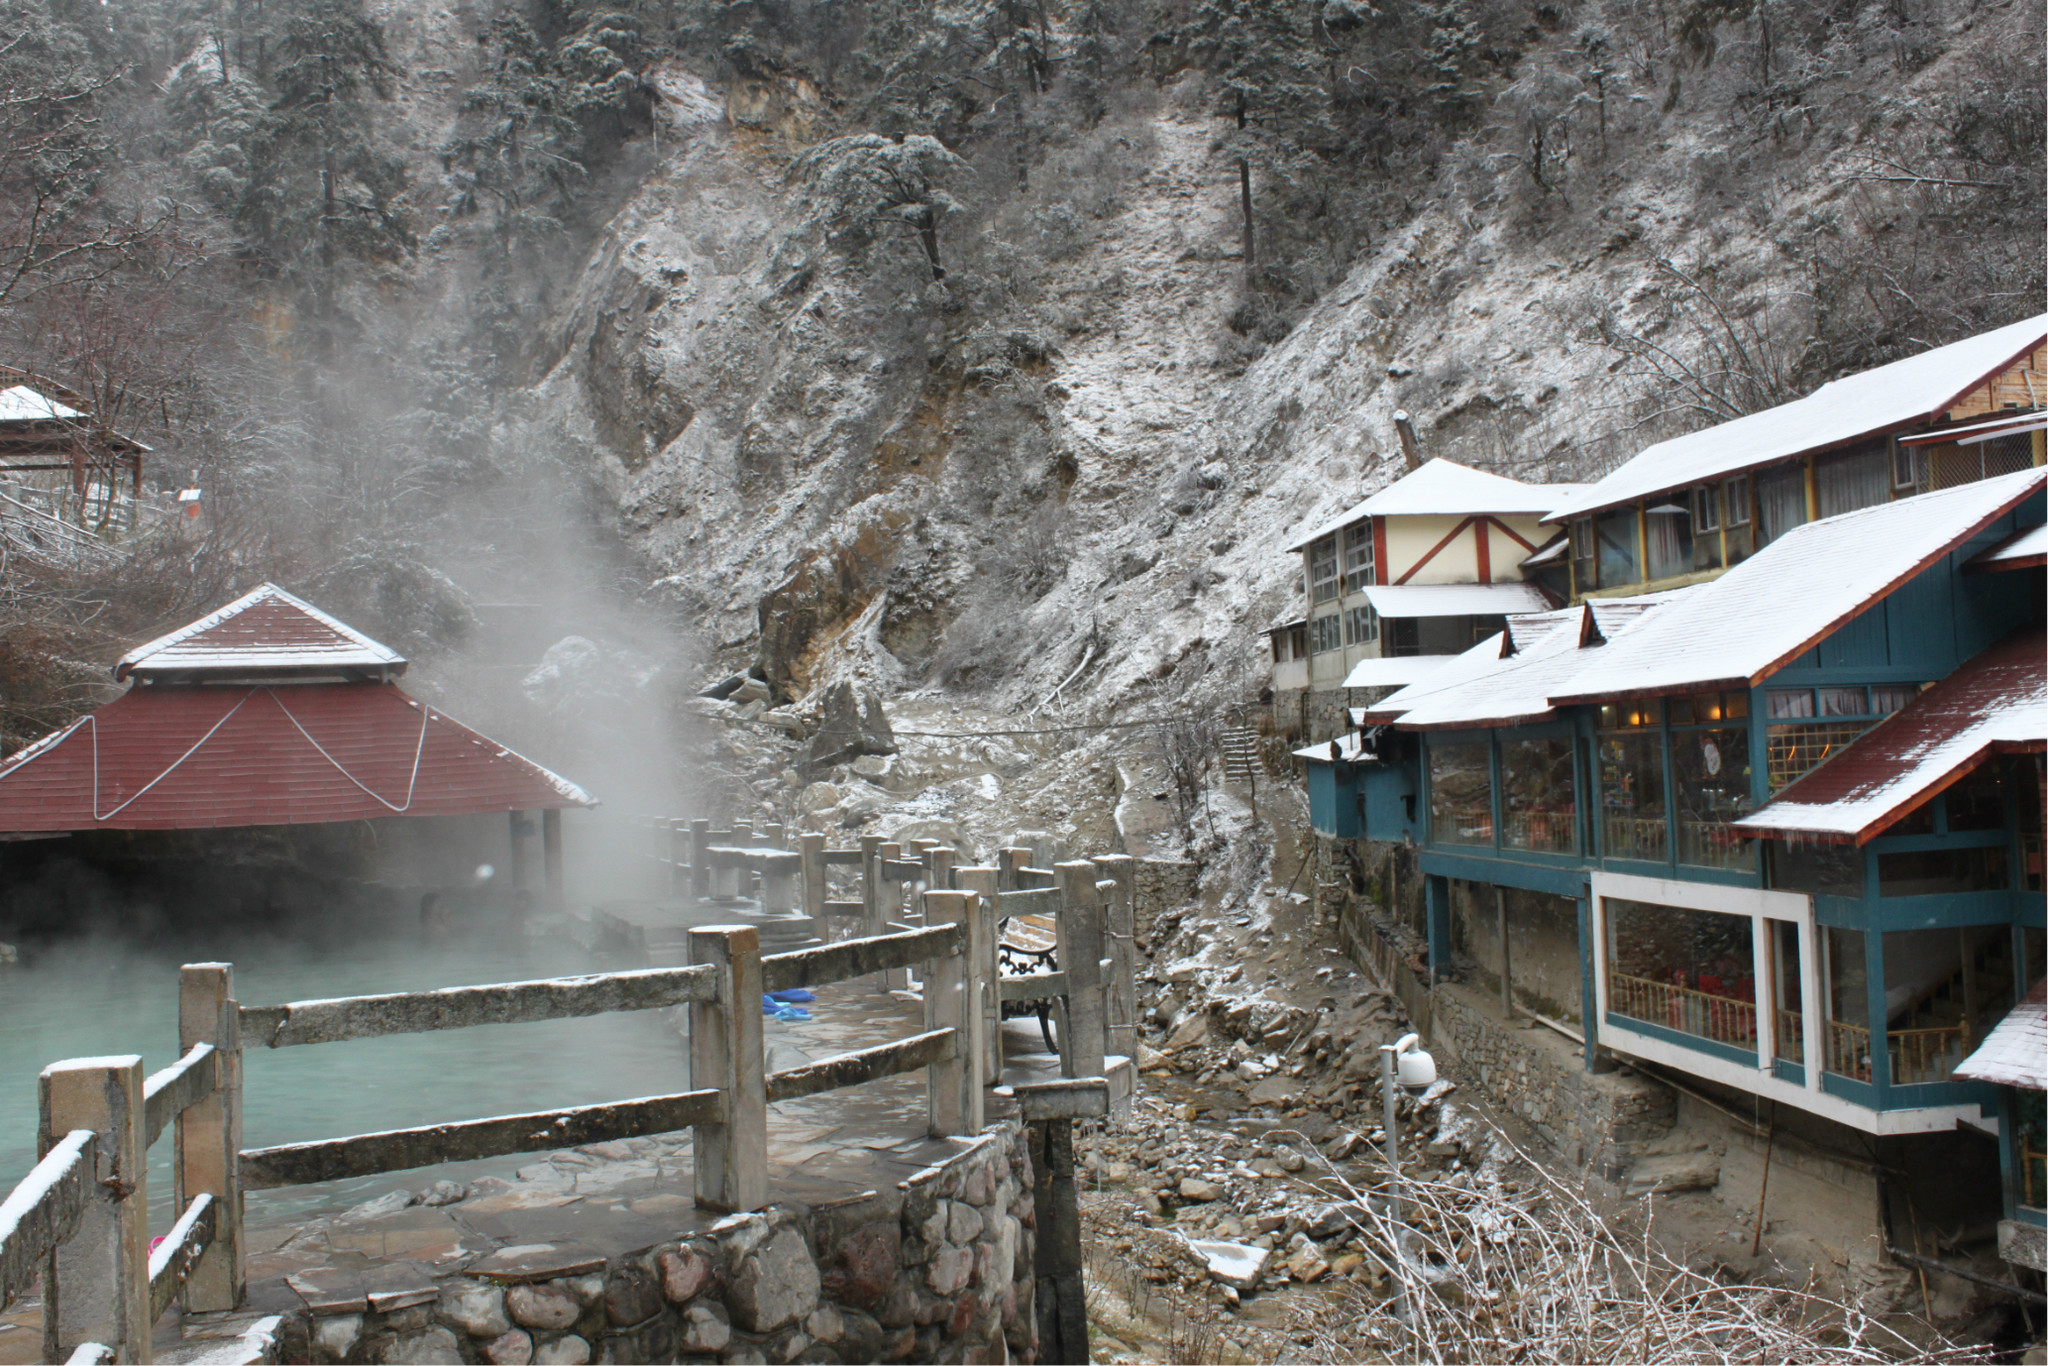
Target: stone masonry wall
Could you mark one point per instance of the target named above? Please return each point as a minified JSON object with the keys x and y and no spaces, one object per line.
{"x":939,"y":1268}
{"x":1594,"y":1120}
{"x":1161,"y":885}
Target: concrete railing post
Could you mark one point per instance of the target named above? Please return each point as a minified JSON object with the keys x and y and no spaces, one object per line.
{"x":209,"y":1133}
{"x":726,"y":1055}
{"x":950,"y":1002}
{"x":891,"y":901}
{"x":983,"y":948}
{"x":939,"y":868}
{"x":778,"y":886}
{"x":811,"y":847}
{"x":1080,"y":958}
{"x":742,"y":877}
{"x":1008,"y":861}
{"x":870,"y":885}
{"x":772,"y":835}
{"x":96,"y":1283}
{"x":700,"y":871}
{"x":678,"y":857}
{"x":1120,"y":930}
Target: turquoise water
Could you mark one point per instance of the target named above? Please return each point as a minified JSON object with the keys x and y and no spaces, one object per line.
{"x":102,"y":994}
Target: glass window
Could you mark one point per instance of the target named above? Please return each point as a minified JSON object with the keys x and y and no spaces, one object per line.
{"x":1944,"y":990}
{"x":1585,"y":570}
{"x":1845,"y":979}
{"x":1977,"y":802}
{"x":1706,"y":526}
{"x":1538,"y":809}
{"x":1779,"y":702}
{"x":1735,"y":516}
{"x":1786,"y":993}
{"x":1361,"y":624}
{"x":1711,"y":769}
{"x":1322,"y":570}
{"x":1905,"y":469}
{"x":1460,"y":792}
{"x":1931,"y":872}
{"x":1616,"y":533}
{"x":1818,"y":869}
{"x":1886,"y":700}
{"x":1692,"y":971}
{"x":1632,"y":821}
{"x":1667,"y":531}
{"x":1326,"y":633}
{"x":1841,"y":702}
{"x":1791,"y":752}
{"x":1918,"y":821}
{"x":1358,"y":557}
{"x":1780,"y":501}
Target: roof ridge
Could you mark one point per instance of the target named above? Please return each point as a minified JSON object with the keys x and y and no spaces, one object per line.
{"x":264,"y":592}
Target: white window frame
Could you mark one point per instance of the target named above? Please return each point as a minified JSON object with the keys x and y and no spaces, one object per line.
{"x":1359,"y":571}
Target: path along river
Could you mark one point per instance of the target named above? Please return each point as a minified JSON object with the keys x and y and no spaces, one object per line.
{"x":106,"y":993}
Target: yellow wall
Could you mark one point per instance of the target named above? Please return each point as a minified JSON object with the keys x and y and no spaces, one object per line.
{"x":1410,"y":538}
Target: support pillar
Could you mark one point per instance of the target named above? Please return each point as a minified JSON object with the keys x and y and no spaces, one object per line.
{"x":1062,"y":1310}
{"x":1598,"y":1059}
{"x":96,"y":1283}
{"x":521,"y":829}
{"x":1080,"y":958}
{"x":1436,"y":907}
{"x":1507,"y":990}
{"x":209,"y":1133}
{"x":551,"y":856}
{"x":982,"y":945}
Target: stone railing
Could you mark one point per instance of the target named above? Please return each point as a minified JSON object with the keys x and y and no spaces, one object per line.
{"x":80,"y":1221}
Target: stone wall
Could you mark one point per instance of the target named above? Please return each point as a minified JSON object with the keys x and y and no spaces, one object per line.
{"x":939,"y":1268}
{"x":1594,"y":1120}
{"x":1161,"y":885}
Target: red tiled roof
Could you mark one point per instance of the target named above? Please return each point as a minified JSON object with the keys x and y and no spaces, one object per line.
{"x":264,"y":632}
{"x":175,"y":758}
{"x":1996,"y":703}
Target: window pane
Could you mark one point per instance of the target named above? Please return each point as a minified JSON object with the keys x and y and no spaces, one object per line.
{"x":1977,"y":802}
{"x":1841,"y":702}
{"x":1712,"y":772}
{"x":1537,"y":803}
{"x":1786,"y":992}
{"x":1932,"y":872}
{"x":1853,"y":479}
{"x":1692,"y":971}
{"x":1460,"y":793}
{"x":1584,"y":572}
{"x":1326,"y":633}
{"x":1668,"y":532}
{"x":1361,"y":625}
{"x":1779,"y":703}
{"x":1358,"y":561}
{"x":1322,"y":569}
{"x":1616,"y":534}
{"x":1885,"y":701}
{"x":1818,"y":869}
{"x":1845,"y":980}
{"x":1943,"y":990}
{"x":1632,"y":796}
{"x":1794,"y":751}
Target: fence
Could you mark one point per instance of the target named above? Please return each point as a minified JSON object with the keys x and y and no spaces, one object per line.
{"x":1915,"y":1055}
{"x":1724,"y":1019}
{"x":80,"y":1218}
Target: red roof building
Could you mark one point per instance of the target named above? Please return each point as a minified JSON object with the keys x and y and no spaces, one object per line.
{"x":267,"y":712}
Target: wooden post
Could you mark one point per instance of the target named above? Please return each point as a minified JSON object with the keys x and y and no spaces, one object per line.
{"x":551,"y":855}
{"x":726,"y":1054}
{"x":811,"y":848}
{"x":772,"y":835}
{"x":700,"y":871}
{"x":982,"y":948}
{"x":96,"y":1284}
{"x":1500,"y":919}
{"x":1080,"y":958}
{"x":520,"y":827}
{"x":209,"y":1133}
{"x":1120,"y":929}
{"x":870,"y":885}
{"x":954,"y":1086}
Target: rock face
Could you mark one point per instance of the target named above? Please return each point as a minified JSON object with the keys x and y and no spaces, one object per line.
{"x":851,"y":727}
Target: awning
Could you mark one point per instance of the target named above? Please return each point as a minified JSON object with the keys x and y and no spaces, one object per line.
{"x":2015,"y":1052}
{"x":1553,"y":551}
{"x":1397,"y":671}
{"x":1971,"y":434}
{"x":2028,"y":550}
{"x":1456,"y":599}
{"x":1996,"y":703}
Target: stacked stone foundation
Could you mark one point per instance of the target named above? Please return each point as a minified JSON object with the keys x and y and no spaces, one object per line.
{"x":938,"y":1268}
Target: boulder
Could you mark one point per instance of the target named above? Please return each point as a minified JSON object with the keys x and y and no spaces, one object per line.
{"x":776,"y":1283}
{"x":1193,"y":1188}
{"x":1237,"y":1265}
{"x":1669,"y":1173}
{"x":849,"y":728}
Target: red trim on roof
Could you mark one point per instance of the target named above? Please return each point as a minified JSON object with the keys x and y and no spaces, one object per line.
{"x":181,"y":758}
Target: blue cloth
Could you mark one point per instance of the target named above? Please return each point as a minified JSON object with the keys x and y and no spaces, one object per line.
{"x":782,"y":1010}
{"x":796,"y":995}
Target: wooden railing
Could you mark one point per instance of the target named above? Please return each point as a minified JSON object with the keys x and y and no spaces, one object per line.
{"x":1634,"y":837}
{"x":1723,"y":1019}
{"x":1714,"y":844}
{"x":1915,"y":1055}
{"x":1791,"y":1027}
{"x":79,"y":1219}
{"x":1461,"y":825}
{"x":1551,"y":832}
{"x":1848,"y":1050}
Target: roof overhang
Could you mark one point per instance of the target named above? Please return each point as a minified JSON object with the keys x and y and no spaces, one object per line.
{"x":1407,"y":600}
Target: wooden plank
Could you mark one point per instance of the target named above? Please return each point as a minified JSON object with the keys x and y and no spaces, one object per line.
{"x":1043,"y":986}
{"x":953,"y":1086}
{"x":864,"y":1065}
{"x":167,"y":1094}
{"x":851,"y":958}
{"x":395,"y":1150}
{"x":43,"y":1210}
{"x":175,"y":1256}
{"x":1080,"y":957}
{"x":416,"y":1012}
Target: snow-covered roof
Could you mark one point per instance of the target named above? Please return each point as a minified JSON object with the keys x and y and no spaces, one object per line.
{"x":19,"y":403}
{"x":1854,"y":406}
{"x":1349,"y":747}
{"x":2015,"y":1052}
{"x":1974,"y":433}
{"x":1777,"y":604}
{"x":1455,"y":599}
{"x":1508,"y":678}
{"x":1445,"y":488}
{"x":264,"y":631}
{"x":2027,"y":550}
{"x":1551,"y":552}
{"x":1996,"y":702}
{"x":1394,"y":671}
